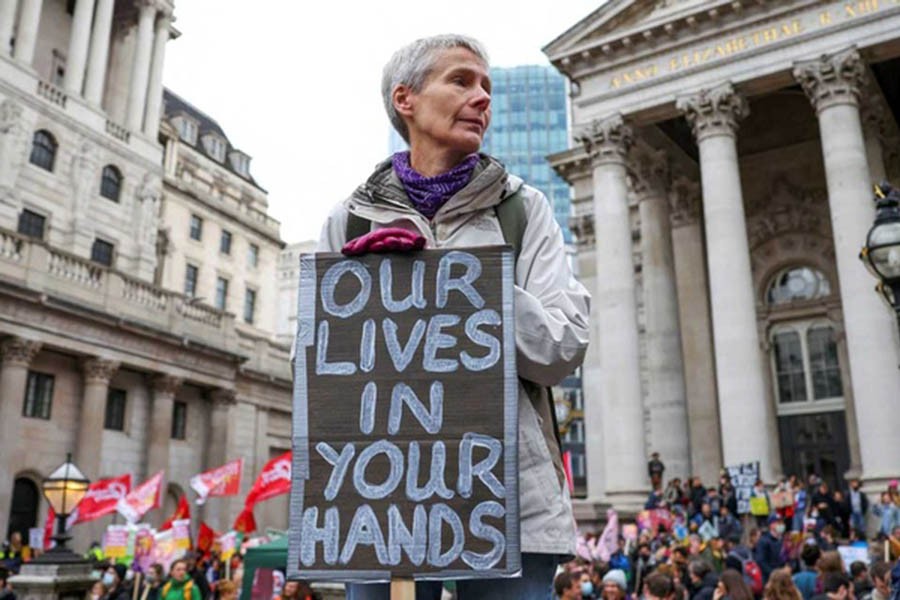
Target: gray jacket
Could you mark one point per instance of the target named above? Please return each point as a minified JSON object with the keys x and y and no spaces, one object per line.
{"x":551,"y":310}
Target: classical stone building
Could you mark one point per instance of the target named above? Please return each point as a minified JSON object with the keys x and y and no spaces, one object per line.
{"x":722,"y":173}
{"x":288,"y":288}
{"x":109,"y":349}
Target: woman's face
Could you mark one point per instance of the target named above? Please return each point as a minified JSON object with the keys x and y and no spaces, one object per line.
{"x":611,"y":591}
{"x":452,"y":111}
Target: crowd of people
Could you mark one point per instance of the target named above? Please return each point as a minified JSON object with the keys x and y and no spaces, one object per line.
{"x":698,"y":547}
{"x":194,"y":577}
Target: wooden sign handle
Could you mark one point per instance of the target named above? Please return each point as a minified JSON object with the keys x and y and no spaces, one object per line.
{"x":403,"y":589}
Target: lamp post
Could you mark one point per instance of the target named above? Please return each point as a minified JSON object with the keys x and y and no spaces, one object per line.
{"x":881,"y":254}
{"x":64,"y":489}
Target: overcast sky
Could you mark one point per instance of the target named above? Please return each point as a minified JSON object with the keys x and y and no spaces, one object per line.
{"x":295,"y":83}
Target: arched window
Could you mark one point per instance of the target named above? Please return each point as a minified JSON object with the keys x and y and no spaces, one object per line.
{"x":43,"y":149}
{"x":806,"y":366}
{"x":23,"y":511}
{"x":111,"y":183}
{"x":798,"y":283}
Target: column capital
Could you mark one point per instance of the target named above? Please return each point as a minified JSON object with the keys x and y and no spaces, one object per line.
{"x":99,"y":370}
{"x":19,"y":351}
{"x":223,"y":397}
{"x":607,"y":140}
{"x":648,"y":170}
{"x":832,"y":78}
{"x":714,"y":111}
{"x":684,"y":201}
{"x":166,"y":385}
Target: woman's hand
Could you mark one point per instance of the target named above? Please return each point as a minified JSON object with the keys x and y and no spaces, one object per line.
{"x":388,"y":239}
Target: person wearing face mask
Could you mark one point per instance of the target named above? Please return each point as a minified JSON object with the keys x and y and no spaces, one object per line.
{"x":114,"y":580}
{"x":586,"y":586}
{"x":153,"y":582}
{"x":768,"y":549}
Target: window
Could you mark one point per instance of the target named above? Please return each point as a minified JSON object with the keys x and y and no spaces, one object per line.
{"x":102,"y":252}
{"x":798,"y":283}
{"x":43,"y":150}
{"x":31,"y":224}
{"x":253,"y":255}
{"x":806,"y":365}
{"x":179,"y":420}
{"x":191,"y":273}
{"x":225,"y":242}
{"x":38,"y":395}
{"x":111,"y":183}
{"x":187,"y":130}
{"x":115,"y":410}
{"x":249,"y":305}
{"x":221,"y":293}
{"x":240,"y":162}
{"x":196,"y":228}
{"x":215,"y":147}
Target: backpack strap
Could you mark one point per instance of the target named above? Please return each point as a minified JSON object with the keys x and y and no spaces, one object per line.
{"x":356,"y":227}
{"x":188,"y":586}
{"x":513,"y":220}
{"x":166,"y":588}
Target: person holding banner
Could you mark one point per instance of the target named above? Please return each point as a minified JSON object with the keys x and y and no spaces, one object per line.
{"x":444,"y":193}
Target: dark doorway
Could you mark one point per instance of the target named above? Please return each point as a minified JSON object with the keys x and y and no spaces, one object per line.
{"x":24,"y":511}
{"x":815,"y":443}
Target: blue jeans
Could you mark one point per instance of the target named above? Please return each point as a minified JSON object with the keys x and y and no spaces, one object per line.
{"x":536,"y":583}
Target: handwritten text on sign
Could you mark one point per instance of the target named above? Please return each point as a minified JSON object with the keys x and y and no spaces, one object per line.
{"x":405,"y":384}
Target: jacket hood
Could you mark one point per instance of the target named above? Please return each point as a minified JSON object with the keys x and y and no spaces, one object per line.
{"x":490,"y":183}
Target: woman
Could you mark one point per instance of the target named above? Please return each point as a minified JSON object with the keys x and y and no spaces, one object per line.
{"x":443,"y":193}
{"x":781,"y":587}
{"x":732,"y":587}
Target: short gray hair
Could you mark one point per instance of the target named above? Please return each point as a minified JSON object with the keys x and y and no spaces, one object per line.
{"x":412,"y":64}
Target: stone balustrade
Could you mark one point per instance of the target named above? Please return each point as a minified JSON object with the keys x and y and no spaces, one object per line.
{"x":59,"y":274}
{"x":50,"y":92}
{"x":120,"y":132}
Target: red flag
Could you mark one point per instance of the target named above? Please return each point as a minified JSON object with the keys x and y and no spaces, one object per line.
{"x":221,"y":481}
{"x":206,"y":537}
{"x":49,"y":527}
{"x":567,"y":469}
{"x":182,"y":511}
{"x":274,"y":479}
{"x":101,"y":498}
{"x":141,"y":499}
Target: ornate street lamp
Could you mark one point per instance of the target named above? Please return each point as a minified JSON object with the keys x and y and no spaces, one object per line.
{"x":881,"y":254}
{"x":64,"y":489}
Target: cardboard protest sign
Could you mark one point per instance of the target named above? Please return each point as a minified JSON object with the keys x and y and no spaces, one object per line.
{"x":405,"y":429}
{"x":743,"y":477}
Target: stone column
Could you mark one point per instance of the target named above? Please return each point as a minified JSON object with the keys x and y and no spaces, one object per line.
{"x":615,"y":310}
{"x":164,"y":389}
{"x":665,"y":371}
{"x":696,"y":329}
{"x":218,"y":512}
{"x":26,"y":34}
{"x":873,"y":127}
{"x":88,"y":452}
{"x":155,"y":87}
{"x":17,"y":354}
{"x":7,"y":21}
{"x":833,"y":85}
{"x":78,"y":46}
{"x":140,"y":70}
{"x":744,"y":411}
{"x":96,"y":68}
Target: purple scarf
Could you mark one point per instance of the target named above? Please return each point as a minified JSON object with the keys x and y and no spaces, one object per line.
{"x":429,"y":194}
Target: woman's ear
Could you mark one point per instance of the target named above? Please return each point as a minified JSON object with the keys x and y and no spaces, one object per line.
{"x":403,"y":99}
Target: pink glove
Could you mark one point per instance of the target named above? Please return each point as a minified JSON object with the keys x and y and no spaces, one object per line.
{"x":389,"y":239}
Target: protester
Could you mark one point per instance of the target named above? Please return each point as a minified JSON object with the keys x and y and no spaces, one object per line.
{"x":443,"y":194}
{"x":98,"y":591}
{"x":614,"y":586}
{"x":227,"y":590}
{"x":836,"y":586}
{"x":888,"y":513}
{"x":731,"y":586}
{"x":567,"y":586}
{"x":116,"y":586}
{"x":768,"y":549}
{"x":153,"y":582}
{"x":14,"y":553}
{"x":197,"y":574}
{"x":659,"y":586}
{"x":655,"y":470}
{"x":859,"y":505}
{"x":805,"y":580}
{"x":180,"y":586}
{"x":781,"y":587}
{"x":859,"y":574}
{"x":880,"y":572}
{"x":703,"y":580}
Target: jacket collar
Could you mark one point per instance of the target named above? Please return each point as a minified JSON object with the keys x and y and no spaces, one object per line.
{"x":490,"y":183}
